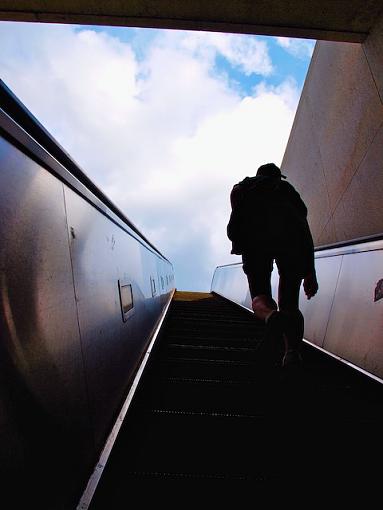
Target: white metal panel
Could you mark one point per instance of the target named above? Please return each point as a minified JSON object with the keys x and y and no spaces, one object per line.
{"x":343,"y":317}
{"x":355,"y":329}
{"x":317,"y":310}
{"x":231,"y":282}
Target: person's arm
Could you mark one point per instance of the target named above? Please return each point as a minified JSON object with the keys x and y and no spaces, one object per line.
{"x":296,"y":199}
{"x":310,"y":285}
{"x":310,"y":282}
{"x":235,"y":196}
{"x":233,"y":225}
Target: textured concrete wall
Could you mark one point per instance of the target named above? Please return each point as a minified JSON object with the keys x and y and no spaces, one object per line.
{"x":334,"y":156}
{"x":329,"y":20}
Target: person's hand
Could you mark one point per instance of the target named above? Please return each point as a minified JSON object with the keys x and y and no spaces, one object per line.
{"x":310,"y":285}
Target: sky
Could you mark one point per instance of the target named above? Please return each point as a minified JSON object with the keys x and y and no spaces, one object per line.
{"x":165,"y":122}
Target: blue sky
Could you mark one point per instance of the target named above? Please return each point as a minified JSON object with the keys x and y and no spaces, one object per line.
{"x":165,"y":122}
{"x":287,"y":63}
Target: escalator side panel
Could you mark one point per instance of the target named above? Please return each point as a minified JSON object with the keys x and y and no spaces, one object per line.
{"x":343,"y":318}
{"x":69,"y":344}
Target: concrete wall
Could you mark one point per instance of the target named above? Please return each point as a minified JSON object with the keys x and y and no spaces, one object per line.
{"x":334,"y":156}
{"x":341,"y":20}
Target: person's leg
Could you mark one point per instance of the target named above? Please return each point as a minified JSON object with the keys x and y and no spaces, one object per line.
{"x":263,"y":306}
{"x":288,"y":301}
{"x":258,"y":268}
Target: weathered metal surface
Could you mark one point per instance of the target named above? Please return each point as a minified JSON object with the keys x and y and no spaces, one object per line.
{"x":355,"y":329}
{"x":102,"y":255}
{"x":43,"y":390}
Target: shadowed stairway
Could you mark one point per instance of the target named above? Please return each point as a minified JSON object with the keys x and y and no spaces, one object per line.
{"x":210,"y":413}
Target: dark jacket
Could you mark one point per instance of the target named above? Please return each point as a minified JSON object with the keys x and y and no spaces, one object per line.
{"x":268,"y":213}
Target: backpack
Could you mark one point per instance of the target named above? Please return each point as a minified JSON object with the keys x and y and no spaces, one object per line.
{"x":267,"y":213}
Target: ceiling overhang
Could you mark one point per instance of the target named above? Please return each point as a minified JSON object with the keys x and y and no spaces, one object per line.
{"x":335,"y":20}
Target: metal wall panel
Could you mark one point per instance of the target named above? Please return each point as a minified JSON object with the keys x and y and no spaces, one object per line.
{"x":102,"y":255}
{"x":343,"y":317}
{"x":68,"y":351}
{"x":317,"y":310}
{"x":44,"y":414}
{"x":231,"y":282}
{"x":355,"y":329}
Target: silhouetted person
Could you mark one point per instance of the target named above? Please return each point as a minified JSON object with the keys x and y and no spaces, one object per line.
{"x":268,"y":223}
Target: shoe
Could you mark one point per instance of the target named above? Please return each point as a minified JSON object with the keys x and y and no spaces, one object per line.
{"x":292,"y":358}
{"x":270,"y":350}
{"x":274,"y":326}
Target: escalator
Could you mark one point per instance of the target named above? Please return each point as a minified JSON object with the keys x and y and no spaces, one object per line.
{"x":213,"y":412}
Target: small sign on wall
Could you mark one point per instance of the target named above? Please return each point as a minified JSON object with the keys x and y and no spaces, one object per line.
{"x":379,"y":290}
{"x":126,"y":298}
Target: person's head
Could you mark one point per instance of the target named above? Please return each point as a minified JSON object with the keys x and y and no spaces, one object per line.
{"x":270,"y":170}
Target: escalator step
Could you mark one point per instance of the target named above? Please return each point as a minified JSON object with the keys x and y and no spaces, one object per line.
{"x":211,"y":412}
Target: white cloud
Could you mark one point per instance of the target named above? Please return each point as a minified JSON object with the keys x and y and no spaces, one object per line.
{"x":287,"y":92}
{"x":246,"y":52}
{"x":163,"y":136}
{"x":301,"y":48}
